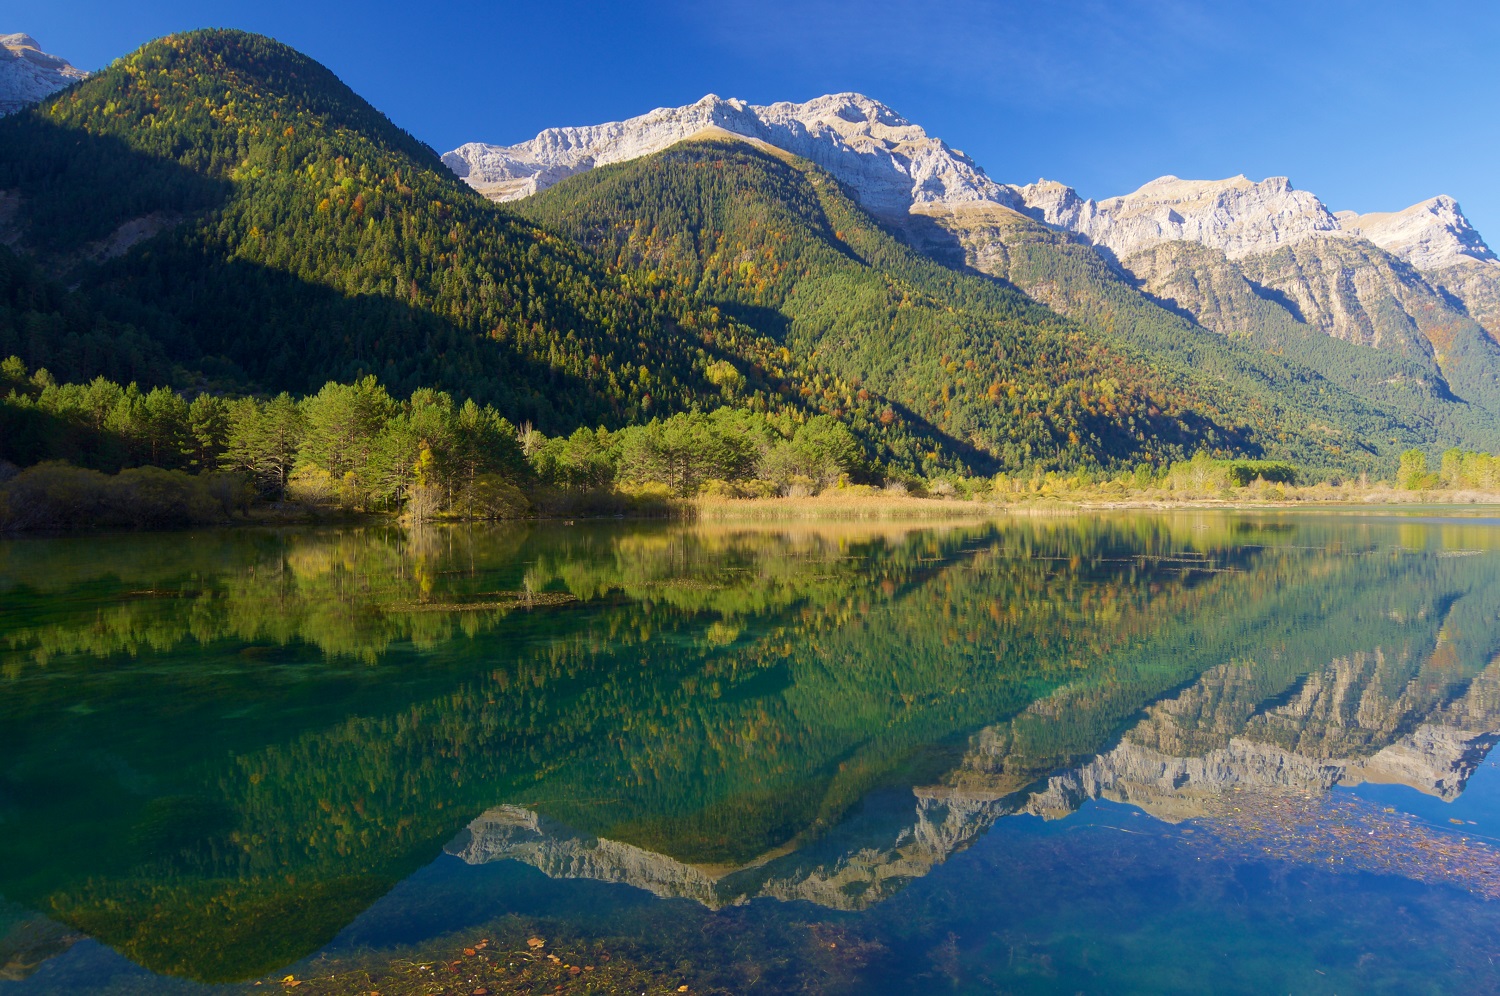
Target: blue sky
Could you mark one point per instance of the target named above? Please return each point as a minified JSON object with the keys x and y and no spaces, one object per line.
{"x":1371,"y":105}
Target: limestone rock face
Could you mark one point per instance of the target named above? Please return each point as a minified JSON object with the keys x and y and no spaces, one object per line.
{"x":1276,"y":254}
{"x":1238,"y":216}
{"x":1214,"y":289}
{"x":1476,"y":284}
{"x":27,"y":74}
{"x":1432,"y":235}
{"x":1437,"y":240}
{"x":888,"y":161}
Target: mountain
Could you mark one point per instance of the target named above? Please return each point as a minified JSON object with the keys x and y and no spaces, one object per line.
{"x":774,"y":239}
{"x":28,"y":75}
{"x":1420,"y":282}
{"x":776,"y":242}
{"x":889,"y":161}
{"x":1436,"y":239}
{"x":1259,"y":260}
{"x":252,"y":224}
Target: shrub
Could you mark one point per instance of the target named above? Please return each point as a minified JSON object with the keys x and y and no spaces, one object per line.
{"x":492,"y":496}
{"x":1242,"y":472}
{"x":57,"y":495}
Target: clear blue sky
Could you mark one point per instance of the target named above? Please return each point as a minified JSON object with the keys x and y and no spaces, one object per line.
{"x":1372,"y":105}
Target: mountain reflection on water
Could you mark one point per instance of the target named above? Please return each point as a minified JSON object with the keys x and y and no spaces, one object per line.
{"x":221,"y":749}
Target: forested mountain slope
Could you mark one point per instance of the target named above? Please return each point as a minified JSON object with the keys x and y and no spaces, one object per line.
{"x":217,"y":210}
{"x":1173,"y":290}
{"x":777,"y":240}
{"x":1391,"y":308}
{"x":304,"y":237}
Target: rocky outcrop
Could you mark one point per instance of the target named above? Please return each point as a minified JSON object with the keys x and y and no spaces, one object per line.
{"x":1238,"y":216}
{"x":1432,"y":235}
{"x":889,"y":162}
{"x":1474,"y":284}
{"x":28,"y":75}
{"x":1243,"y":256}
{"x":1436,"y":239}
{"x":1205,"y":283}
{"x":1355,"y":291}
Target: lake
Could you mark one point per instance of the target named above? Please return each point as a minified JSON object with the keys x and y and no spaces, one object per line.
{"x":1115,"y":752}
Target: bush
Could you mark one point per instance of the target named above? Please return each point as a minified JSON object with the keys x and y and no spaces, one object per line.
{"x":492,"y":496}
{"x":57,"y":495}
{"x":797,"y":486}
{"x":1242,"y":472}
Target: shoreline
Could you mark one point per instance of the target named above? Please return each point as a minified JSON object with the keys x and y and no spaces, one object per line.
{"x":833,"y":506}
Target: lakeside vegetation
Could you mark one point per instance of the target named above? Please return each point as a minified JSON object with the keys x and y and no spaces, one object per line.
{"x":105,"y":455}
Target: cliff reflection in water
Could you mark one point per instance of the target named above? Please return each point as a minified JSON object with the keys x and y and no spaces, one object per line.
{"x":221,"y":750}
{"x":1335,"y":726}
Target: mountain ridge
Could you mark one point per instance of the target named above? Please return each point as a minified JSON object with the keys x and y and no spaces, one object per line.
{"x":894,"y":162}
{"x":1444,"y":311}
{"x":1239,"y":215}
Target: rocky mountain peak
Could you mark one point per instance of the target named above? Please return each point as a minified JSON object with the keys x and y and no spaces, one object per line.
{"x":1240,"y":216}
{"x":28,"y":75}
{"x":890,"y":163}
{"x":1431,"y":235}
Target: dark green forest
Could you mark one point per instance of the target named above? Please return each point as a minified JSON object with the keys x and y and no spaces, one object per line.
{"x":353,"y":447}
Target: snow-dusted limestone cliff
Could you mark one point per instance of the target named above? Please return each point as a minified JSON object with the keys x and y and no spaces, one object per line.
{"x":890,"y":162}
{"x":27,"y":74}
{"x":895,"y":167}
{"x":1340,"y":273}
{"x":1243,"y":217}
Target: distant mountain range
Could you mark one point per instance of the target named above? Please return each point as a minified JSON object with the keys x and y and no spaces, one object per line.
{"x":1236,"y":255}
{"x":251,"y":224}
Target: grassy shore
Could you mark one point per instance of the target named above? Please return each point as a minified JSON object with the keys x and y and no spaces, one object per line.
{"x":864,"y":504}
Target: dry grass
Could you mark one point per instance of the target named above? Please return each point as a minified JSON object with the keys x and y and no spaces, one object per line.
{"x":839,"y":505}
{"x":851,"y":506}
